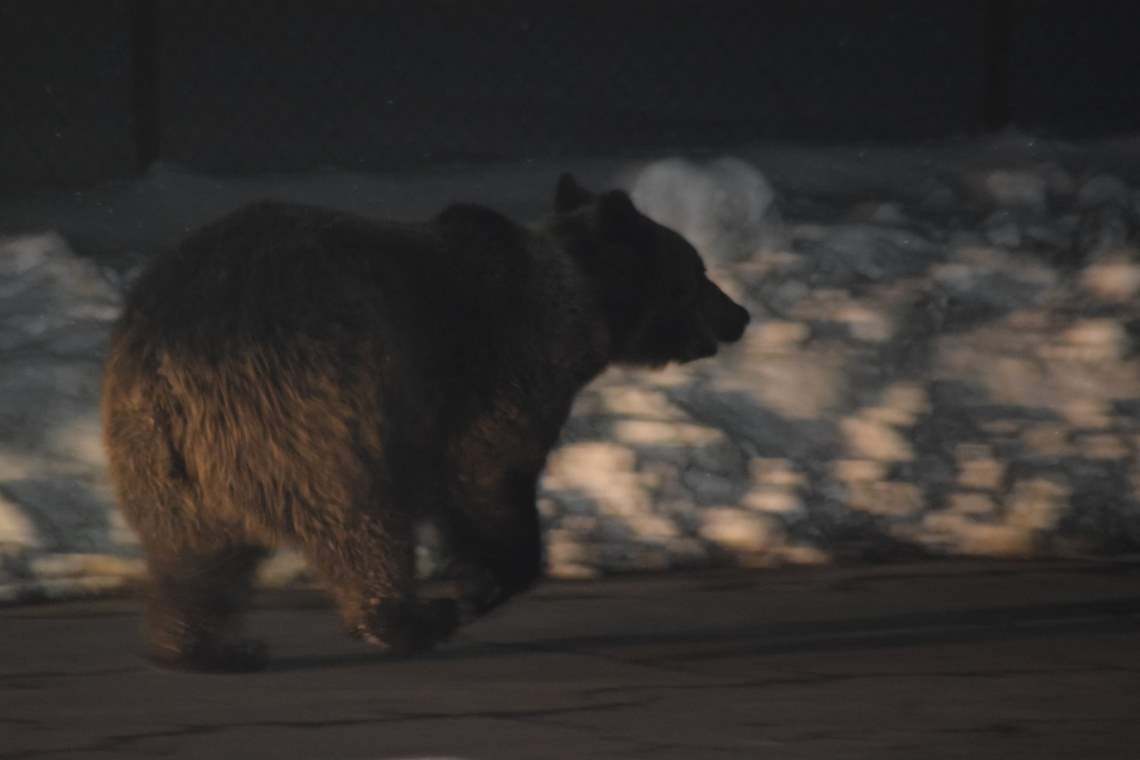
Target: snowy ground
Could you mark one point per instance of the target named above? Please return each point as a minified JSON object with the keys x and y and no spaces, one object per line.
{"x":945,"y":358}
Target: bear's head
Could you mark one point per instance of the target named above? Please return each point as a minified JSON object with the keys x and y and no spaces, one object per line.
{"x":660,"y":305}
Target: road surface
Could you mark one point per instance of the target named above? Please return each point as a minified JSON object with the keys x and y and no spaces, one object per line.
{"x":929,"y":660}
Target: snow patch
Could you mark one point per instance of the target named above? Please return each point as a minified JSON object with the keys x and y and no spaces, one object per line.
{"x":725,"y":207}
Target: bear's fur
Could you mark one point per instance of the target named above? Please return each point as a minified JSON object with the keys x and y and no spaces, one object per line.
{"x":298,"y":376}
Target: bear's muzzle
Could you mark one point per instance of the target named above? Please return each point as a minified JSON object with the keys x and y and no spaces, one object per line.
{"x":727,"y":318}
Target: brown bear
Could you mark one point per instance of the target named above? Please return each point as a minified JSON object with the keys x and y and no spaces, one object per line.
{"x":298,"y":376}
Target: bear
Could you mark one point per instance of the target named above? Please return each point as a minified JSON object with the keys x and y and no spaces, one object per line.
{"x":290,"y":375}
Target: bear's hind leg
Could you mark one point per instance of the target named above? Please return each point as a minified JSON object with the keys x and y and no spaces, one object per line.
{"x":370,"y":569}
{"x":195,"y":599}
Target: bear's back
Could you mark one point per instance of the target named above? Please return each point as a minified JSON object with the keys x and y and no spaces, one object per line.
{"x":282,"y":267}
{"x":277,"y":265}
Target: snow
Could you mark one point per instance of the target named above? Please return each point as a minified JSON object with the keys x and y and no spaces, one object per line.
{"x":724,"y":207}
{"x":945,"y":357}
{"x":55,"y":308}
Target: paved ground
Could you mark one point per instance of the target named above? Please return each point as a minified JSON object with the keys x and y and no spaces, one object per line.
{"x":932,"y":660}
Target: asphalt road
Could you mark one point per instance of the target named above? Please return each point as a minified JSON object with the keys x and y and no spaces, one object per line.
{"x":933,"y":660}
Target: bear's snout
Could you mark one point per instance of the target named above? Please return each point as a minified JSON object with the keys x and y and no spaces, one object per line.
{"x":727,"y":318}
{"x":731,"y":329}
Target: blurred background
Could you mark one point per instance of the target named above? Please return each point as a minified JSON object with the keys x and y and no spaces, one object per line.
{"x":931,"y":210}
{"x":92,"y":91}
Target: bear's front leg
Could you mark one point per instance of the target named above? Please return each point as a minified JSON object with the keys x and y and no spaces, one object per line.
{"x":496,"y":537}
{"x":406,"y":626}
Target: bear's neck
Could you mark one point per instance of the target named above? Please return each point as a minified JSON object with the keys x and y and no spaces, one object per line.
{"x":580,"y":334}
{"x":602,"y":277}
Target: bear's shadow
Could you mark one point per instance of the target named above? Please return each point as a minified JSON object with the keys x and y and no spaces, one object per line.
{"x":684,"y":644}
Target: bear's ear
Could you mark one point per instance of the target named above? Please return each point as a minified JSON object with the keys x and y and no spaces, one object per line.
{"x":569,"y":195}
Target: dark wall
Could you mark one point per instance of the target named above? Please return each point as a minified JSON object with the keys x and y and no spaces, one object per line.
{"x":97,"y":89}
{"x":250,"y":85}
{"x":1075,"y":67}
{"x":65,"y":92}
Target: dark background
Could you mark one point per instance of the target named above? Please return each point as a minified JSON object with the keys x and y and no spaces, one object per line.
{"x":90,"y":91}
